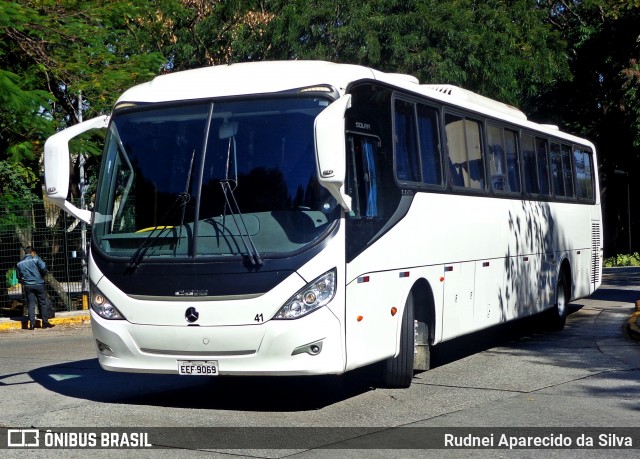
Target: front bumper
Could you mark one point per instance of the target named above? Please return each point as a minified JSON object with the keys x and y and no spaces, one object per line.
{"x":275,"y":347}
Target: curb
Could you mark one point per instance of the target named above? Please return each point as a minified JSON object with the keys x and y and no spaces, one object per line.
{"x":633,"y":324}
{"x":62,"y":318}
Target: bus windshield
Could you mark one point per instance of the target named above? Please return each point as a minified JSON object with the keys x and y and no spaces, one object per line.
{"x":228,"y":178}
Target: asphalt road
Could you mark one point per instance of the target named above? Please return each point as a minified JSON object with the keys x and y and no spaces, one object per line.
{"x":518,"y":376}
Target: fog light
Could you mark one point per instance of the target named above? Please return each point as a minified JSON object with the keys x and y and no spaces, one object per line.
{"x":104,"y":349}
{"x":314,"y":348}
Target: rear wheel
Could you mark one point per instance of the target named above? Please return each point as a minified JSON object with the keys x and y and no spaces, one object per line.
{"x":558,"y":314}
{"x":398,"y":371}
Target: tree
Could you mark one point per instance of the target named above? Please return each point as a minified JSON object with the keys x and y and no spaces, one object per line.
{"x":600,"y":101}
{"x":502,"y":49}
{"x":51,"y":52}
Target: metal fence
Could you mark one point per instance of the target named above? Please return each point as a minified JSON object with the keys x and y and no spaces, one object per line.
{"x":60,"y":240}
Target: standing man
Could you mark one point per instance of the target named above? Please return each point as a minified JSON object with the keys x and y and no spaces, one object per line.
{"x":30,"y":271}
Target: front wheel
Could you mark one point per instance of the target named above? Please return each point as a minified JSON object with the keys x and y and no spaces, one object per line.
{"x":398,"y":371}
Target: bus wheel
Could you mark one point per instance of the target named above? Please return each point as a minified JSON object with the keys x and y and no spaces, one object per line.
{"x":398,"y":371}
{"x":558,"y":314}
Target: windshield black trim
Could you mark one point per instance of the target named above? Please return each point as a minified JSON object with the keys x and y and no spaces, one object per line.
{"x":328,"y":233}
{"x":219,"y":277}
{"x":126,"y":107}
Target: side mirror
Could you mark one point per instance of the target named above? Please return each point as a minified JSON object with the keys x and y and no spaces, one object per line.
{"x":331,"y":155}
{"x":56,"y":165}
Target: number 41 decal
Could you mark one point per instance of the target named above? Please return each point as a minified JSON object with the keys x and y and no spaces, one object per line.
{"x":259,"y":318}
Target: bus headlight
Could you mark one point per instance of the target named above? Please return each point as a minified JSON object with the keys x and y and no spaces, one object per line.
{"x":314,"y":295}
{"x":102,"y":306}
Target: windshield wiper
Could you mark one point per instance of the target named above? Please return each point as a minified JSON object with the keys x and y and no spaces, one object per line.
{"x":181,"y":200}
{"x":252,"y":255}
{"x":186,"y":192}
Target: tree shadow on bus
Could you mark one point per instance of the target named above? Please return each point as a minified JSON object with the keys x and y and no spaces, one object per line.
{"x":85,"y":379}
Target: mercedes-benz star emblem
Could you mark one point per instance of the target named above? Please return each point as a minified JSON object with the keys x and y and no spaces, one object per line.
{"x":191,"y":315}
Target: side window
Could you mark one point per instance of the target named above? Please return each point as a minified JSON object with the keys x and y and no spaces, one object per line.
{"x":502,"y":159}
{"x":583,"y":161}
{"x":407,"y":162}
{"x":543,"y":166}
{"x":496,"y":160}
{"x":513,"y":163}
{"x":567,"y":170}
{"x":561,"y":170}
{"x":363,"y":177}
{"x":529,"y":165}
{"x":464,"y":145}
{"x":429,"y":145}
{"x":416,"y":143}
{"x":556,"y":170}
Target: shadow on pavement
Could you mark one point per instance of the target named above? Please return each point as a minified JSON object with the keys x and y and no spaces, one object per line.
{"x":498,"y":335}
{"x":85,"y":379}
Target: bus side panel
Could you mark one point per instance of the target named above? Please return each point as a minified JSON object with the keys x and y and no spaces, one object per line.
{"x":500,"y":257}
{"x":371,"y":328}
{"x":375,"y":304}
{"x":489,"y":292}
{"x":457,"y":313}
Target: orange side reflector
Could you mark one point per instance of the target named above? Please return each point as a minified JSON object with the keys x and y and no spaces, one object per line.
{"x":359,"y":318}
{"x":394,"y":311}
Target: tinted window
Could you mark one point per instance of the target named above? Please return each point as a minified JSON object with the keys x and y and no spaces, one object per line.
{"x":529,"y":165}
{"x":583,"y":161}
{"x":543,"y":166}
{"x":407,"y":162}
{"x":464,"y":146}
{"x":502,"y":157}
{"x":416,"y":143}
{"x":561,"y":170}
{"x":429,"y":145}
{"x":513,"y":163}
{"x":567,"y":170}
{"x":496,"y":160}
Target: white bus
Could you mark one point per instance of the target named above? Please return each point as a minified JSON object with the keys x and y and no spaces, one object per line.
{"x":306,"y":217}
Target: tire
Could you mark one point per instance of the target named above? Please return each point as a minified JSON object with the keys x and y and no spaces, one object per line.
{"x":398,"y":371}
{"x":558,"y":314}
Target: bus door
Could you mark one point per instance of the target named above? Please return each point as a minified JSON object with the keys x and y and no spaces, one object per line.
{"x":370,"y":329}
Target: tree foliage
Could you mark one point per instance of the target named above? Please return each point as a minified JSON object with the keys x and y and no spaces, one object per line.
{"x":17,"y":184}
{"x":503,"y":49}
{"x":54,"y":51}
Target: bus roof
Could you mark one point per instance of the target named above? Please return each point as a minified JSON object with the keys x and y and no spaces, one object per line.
{"x":264,"y":77}
{"x":246,"y":78}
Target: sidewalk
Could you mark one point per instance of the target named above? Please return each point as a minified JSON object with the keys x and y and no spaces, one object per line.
{"x":62,"y":318}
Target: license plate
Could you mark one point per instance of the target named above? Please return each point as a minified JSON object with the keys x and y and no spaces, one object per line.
{"x":198,"y":367}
